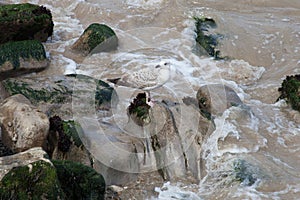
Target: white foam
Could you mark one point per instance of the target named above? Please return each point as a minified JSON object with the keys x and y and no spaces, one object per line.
{"x":70,"y":65}
{"x":145,"y":4}
{"x":168,"y":191}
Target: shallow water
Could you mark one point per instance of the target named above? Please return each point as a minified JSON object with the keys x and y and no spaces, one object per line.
{"x":264,"y":38}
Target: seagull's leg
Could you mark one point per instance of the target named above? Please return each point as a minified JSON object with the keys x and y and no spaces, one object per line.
{"x":148,"y":99}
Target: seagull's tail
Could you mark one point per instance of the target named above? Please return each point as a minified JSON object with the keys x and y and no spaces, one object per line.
{"x":114,"y":80}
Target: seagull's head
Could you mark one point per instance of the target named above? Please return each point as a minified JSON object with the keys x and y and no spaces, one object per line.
{"x":164,"y":70}
{"x":163,"y":65}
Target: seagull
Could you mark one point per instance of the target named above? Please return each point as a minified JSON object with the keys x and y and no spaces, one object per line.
{"x":146,"y":79}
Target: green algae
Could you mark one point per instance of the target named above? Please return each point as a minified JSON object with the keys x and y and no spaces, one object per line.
{"x":290,"y":90}
{"x":97,"y":38}
{"x":79,"y":181}
{"x":37,"y":180}
{"x":28,"y":49}
{"x":60,"y":89}
{"x":99,"y":34}
{"x":139,"y":109}
{"x":35,"y":94}
{"x":24,"y":21}
{"x":73,"y":130}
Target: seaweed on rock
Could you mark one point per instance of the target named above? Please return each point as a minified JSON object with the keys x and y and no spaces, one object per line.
{"x":37,"y":180}
{"x":69,"y":132}
{"x":96,"y":38}
{"x":290,"y":90}
{"x":60,"y":89}
{"x":79,"y":181}
{"x":208,"y":41}
{"x":139,"y":109}
{"x":25,"y":22}
{"x":14,"y":51}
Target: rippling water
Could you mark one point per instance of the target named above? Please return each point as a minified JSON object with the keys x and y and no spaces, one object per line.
{"x":264,"y":38}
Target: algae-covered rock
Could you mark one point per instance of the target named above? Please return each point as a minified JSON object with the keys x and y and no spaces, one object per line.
{"x":25,"y":21}
{"x":23,"y":125}
{"x":37,"y":180}
{"x":64,"y":141}
{"x":96,"y":38}
{"x":22,"y":57}
{"x":60,"y":89}
{"x":208,"y":41}
{"x":79,"y":181}
{"x":139,"y":110}
{"x":290,"y":90}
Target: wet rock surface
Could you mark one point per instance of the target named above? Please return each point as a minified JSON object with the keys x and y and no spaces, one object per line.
{"x":23,"y":125}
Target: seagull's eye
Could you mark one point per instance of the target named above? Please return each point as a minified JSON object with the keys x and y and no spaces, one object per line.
{"x":157,"y":66}
{"x":165,"y":64}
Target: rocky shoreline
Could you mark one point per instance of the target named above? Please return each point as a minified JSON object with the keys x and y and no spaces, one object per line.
{"x":42,"y":143}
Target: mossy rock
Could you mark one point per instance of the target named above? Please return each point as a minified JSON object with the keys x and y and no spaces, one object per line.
{"x":96,"y":38}
{"x":25,"y":22}
{"x":290,"y":90}
{"x":207,"y":41}
{"x":73,"y":130}
{"x":13,"y":55}
{"x":139,"y":110}
{"x":69,"y":133}
{"x":79,"y":181}
{"x":37,"y":180}
{"x":59,"y":89}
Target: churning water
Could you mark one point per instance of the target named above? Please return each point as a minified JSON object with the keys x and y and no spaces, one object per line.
{"x":263,"y":37}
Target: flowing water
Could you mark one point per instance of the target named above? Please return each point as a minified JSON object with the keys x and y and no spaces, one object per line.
{"x":263,"y":37}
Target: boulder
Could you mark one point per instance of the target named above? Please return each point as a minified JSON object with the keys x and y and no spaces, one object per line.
{"x":214,"y":99}
{"x":96,"y":38}
{"x":290,"y":90}
{"x":177,"y":134}
{"x":55,"y":94}
{"x":79,"y":181}
{"x":25,"y":21}
{"x":22,"y":57}
{"x":21,"y":159}
{"x":29,"y":175}
{"x":23,"y":125}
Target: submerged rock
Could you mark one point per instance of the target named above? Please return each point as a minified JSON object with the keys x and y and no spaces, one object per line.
{"x":22,"y":57}
{"x":25,"y":21}
{"x":206,"y":40}
{"x":214,"y":99}
{"x":245,"y":172}
{"x":79,"y":181}
{"x":57,"y":91}
{"x":23,"y":125}
{"x":96,"y":38}
{"x":290,"y":90}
